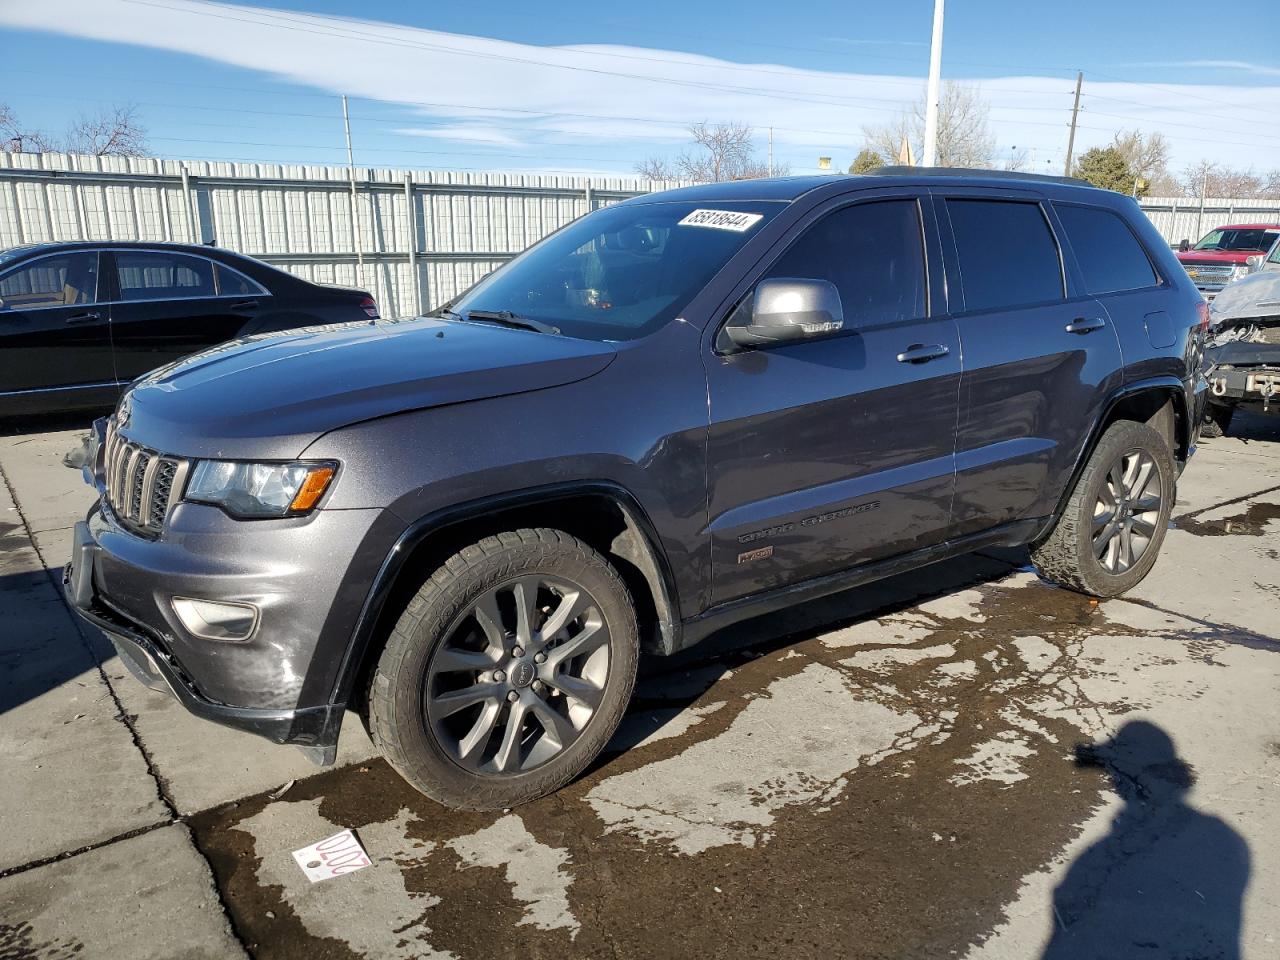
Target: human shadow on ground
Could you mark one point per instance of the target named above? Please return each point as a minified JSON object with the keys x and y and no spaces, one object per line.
{"x":1167,"y":882}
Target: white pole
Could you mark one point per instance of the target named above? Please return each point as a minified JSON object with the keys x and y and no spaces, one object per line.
{"x":355,"y":216}
{"x":931,"y":98}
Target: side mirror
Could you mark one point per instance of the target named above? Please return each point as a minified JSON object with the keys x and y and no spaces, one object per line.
{"x":1253,"y":262}
{"x":787,"y":310}
{"x":1184,"y":246}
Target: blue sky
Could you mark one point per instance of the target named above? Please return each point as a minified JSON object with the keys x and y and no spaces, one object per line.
{"x":588,"y":87}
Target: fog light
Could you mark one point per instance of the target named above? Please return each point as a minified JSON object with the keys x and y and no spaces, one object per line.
{"x":215,"y":620}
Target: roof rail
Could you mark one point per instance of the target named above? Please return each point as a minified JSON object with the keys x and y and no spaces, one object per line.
{"x":898,"y":171}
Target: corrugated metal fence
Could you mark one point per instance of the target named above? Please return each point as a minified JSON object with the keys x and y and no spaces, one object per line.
{"x":1183,"y":218}
{"x":423,"y":236}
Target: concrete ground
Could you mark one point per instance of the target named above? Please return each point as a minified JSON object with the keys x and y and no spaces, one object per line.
{"x":963,"y":762}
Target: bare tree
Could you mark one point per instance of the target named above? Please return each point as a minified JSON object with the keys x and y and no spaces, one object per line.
{"x":1147,"y":155}
{"x":1215,"y":180}
{"x":657,"y":168}
{"x":1018,"y":159}
{"x":18,"y":139}
{"x":722,"y":151}
{"x":116,"y":132}
{"x":728,"y":151}
{"x":964,"y":134}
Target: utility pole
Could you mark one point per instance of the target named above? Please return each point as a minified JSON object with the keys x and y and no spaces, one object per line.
{"x":355,"y":216}
{"x":771,"y":151}
{"x":935,"y":82}
{"x":1075,"y":113}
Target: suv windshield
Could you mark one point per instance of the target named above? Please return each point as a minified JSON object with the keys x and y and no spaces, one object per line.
{"x":1236,"y":239}
{"x":620,"y":272}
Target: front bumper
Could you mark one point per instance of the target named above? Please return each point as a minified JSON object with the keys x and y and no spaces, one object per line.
{"x":1246,"y":373}
{"x":306,"y":576}
{"x":1249,"y":385}
{"x":315,"y":729}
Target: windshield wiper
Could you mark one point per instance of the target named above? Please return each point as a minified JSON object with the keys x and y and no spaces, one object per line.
{"x":508,"y":319}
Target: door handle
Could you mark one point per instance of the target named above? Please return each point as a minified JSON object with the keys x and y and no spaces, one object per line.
{"x":923,"y":353}
{"x":1083,"y":325}
{"x":79,"y":318}
{"x":245,"y":305}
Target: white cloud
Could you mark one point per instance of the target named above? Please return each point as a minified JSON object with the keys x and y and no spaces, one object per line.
{"x":465,"y":133}
{"x":524,"y":94}
{"x":1243,"y":66}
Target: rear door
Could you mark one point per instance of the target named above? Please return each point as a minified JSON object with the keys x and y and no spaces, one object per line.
{"x":1040,"y":355}
{"x":827,"y":454}
{"x":171,"y":304}
{"x":53,"y":329}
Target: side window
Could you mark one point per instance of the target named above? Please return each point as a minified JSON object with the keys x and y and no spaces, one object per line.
{"x":1274,"y":257}
{"x":1008,"y":256}
{"x":874,"y":254}
{"x":57,"y":281}
{"x":162,"y":276}
{"x":1109,"y":254}
{"x":234,"y":284}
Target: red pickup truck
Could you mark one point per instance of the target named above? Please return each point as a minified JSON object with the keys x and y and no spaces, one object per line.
{"x":1224,"y":254}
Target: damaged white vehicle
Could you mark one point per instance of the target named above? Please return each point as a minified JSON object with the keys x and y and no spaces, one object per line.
{"x":1243,"y":350}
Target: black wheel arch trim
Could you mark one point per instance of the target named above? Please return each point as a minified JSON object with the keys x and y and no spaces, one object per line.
{"x":1171,"y":387}
{"x":666,"y":598}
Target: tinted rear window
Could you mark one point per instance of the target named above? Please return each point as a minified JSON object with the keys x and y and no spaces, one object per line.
{"x":1007,"y":255}
{"x":1108,"y":253}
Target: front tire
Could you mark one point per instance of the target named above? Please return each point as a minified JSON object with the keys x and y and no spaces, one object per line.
{"x":508,"y":671}
{"x":1110,"y":532}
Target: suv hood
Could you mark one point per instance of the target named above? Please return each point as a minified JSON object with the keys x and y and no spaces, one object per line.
{"x":269,"y":396}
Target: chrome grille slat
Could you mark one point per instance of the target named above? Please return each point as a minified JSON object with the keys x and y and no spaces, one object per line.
{"x":142,"y":485}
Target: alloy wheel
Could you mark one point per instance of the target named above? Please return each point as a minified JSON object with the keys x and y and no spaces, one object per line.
{"x":1127,"y":511}
{"x":518,"y":676}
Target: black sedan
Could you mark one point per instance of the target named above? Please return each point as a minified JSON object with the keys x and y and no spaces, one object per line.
{"x":80,"y":321}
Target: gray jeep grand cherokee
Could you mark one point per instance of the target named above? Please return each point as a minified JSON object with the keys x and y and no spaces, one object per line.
{"x":675,"y":413}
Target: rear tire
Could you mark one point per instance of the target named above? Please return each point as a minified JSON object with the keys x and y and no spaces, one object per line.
{"x":1217,"y":420}
{"x":1109,"y":535}
{"x":507,"y":672}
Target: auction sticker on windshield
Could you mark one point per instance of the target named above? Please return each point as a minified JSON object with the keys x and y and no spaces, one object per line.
{"x":722,"y":220}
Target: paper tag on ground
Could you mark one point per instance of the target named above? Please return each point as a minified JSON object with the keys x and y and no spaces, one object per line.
{"x":722,"y":220}
{"x":332,"y":857}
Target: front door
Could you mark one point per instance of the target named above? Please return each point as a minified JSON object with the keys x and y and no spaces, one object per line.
{"x":168,"y":305}
{"x":53,"y":330}
{"x":1040,"y":357}
{"x":826,"y":454}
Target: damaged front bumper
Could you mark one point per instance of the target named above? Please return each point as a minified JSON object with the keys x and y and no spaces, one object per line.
{"x":281,"y":681}
{"x":1244,"y":373}
{"x":147,"y":657}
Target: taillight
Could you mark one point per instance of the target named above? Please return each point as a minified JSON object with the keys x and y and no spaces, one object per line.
{"x":1203,"y":308}
{"x":370,"y":308}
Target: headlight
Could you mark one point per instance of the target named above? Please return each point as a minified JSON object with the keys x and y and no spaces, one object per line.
{"x":253,"y":490}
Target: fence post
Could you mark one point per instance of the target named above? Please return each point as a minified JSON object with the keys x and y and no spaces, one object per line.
{"x":588,"y":196}
{"x":413,"y":243}
{"x":192,"y":213}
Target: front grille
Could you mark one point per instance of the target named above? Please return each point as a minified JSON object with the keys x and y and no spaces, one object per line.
{"x":1210,"y":273}
{"x":143,"y":486}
